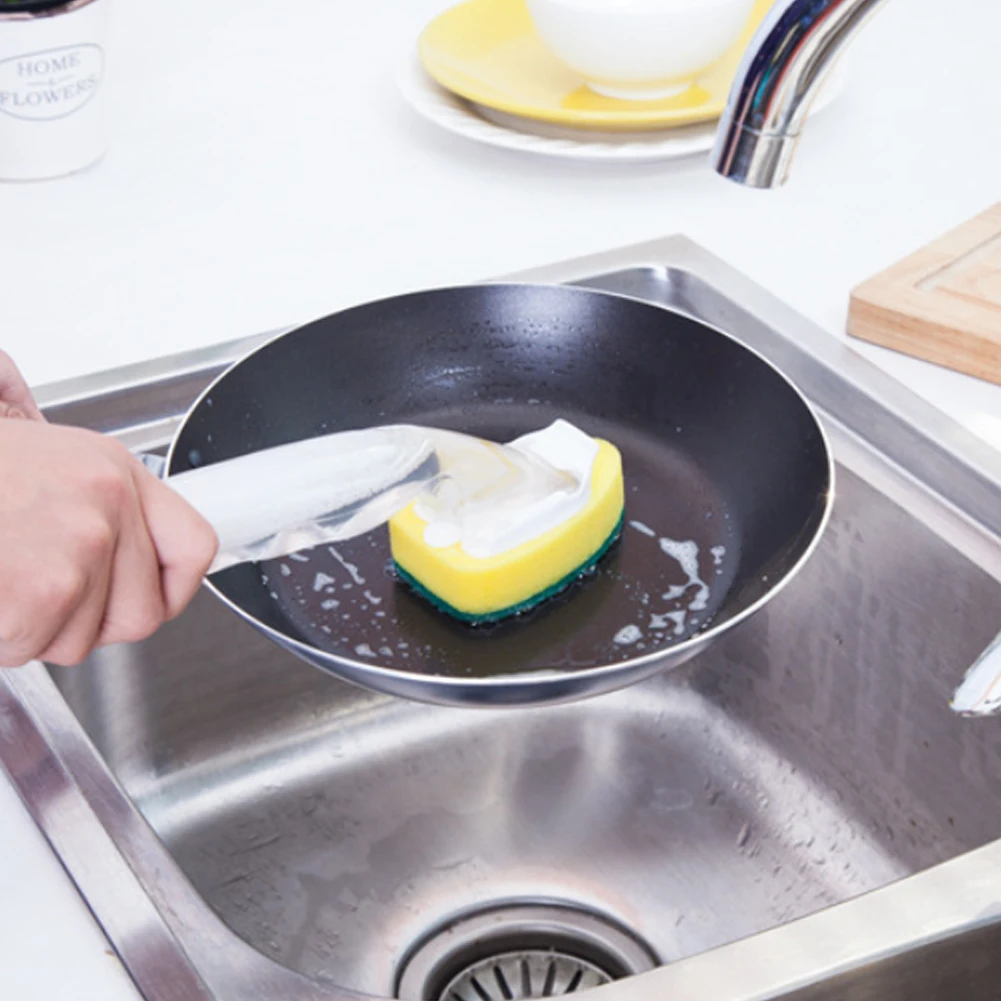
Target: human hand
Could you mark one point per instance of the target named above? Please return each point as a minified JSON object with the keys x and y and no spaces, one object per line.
{"x":15,"y":397}
{"x":93,"y":548}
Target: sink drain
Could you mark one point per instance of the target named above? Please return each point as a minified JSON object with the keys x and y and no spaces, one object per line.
{"x":520,"y":951}
{"x":533,"y":973}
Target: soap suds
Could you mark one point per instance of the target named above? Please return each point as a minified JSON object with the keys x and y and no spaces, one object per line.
{"x":687,"y":555}
{"x":687,"y":598}
{"x":321,"y":580}
{"x":677,"y":620}
{"x":645,"y":529}
{"x":628,"y":635}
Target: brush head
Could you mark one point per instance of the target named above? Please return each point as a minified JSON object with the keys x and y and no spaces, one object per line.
{"x":479,"y":589}
{"x":524,"y":606}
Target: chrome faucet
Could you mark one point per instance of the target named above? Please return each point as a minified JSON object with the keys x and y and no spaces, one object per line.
{"x":781,"y":72}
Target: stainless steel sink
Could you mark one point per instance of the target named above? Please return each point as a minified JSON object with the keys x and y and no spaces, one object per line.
{"x":246,"y":827}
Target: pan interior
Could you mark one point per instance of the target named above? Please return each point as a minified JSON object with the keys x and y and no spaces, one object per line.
{"x":642,"y":595}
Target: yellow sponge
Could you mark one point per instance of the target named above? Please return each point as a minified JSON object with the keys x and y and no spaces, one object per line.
{"x":495,"y":587}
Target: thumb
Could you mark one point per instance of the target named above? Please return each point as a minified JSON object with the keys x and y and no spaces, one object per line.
{"x":14,"y":391}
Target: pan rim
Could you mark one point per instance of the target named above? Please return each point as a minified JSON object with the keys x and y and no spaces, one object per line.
{"x":632,"y":669}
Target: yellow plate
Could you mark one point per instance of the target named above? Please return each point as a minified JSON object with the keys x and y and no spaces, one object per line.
{"x":489,"y":52}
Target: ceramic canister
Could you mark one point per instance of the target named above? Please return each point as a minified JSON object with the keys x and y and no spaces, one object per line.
{"x":52,"y":68}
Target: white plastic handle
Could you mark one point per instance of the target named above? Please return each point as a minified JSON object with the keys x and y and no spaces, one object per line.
{"x":279,"y":500}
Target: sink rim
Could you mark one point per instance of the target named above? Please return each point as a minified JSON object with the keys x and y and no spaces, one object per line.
{"x":174,"y":945}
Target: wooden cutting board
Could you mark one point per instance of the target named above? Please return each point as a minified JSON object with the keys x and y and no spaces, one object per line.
{"x":942,"y":303}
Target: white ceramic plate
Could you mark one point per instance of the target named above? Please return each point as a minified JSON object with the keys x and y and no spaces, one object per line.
{"x":495,"y":128}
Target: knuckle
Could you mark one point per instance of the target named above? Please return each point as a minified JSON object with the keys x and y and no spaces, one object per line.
{"x":95,"y":538}
{"x":139,"y":625}
{"x":135,"y":632}
{"x":194,"y":544}
{"x":27,"y":621}
{"x":189,"y":570}
{"x":107,"y":482}
{"x":115,"y":451}
{"x":60,"y":590}
{"x":205,"y":545}
{"x":66,"y":653}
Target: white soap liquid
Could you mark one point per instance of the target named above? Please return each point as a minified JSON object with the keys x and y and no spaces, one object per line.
{"x":492,"y":498}
{"x":694,"y":593}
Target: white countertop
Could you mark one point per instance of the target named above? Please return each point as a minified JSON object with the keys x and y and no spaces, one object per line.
{"x":264,"y":172}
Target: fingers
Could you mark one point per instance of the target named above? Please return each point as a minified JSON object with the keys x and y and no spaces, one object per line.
{"x":35,"y":611}
{"x":120,"y":599}
{"x":185,"y":542}
{"x":55,"y":610}
{"x":78,"y":630}
{"x":134,"y":605}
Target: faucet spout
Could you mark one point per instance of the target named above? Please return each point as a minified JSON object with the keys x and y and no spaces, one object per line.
{"x":781,"y":72}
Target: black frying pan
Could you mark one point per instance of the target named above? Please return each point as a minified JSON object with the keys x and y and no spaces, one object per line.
{"x":719,"y":450}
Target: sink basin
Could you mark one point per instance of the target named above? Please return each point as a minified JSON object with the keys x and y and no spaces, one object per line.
{"x":326,"y":841}
{"x":806,"y":759}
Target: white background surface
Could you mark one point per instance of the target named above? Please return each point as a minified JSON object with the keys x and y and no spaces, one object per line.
{"x":264,"y":172}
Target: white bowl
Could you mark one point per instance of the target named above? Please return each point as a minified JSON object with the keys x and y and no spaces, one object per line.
{"x":639,"y":49}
